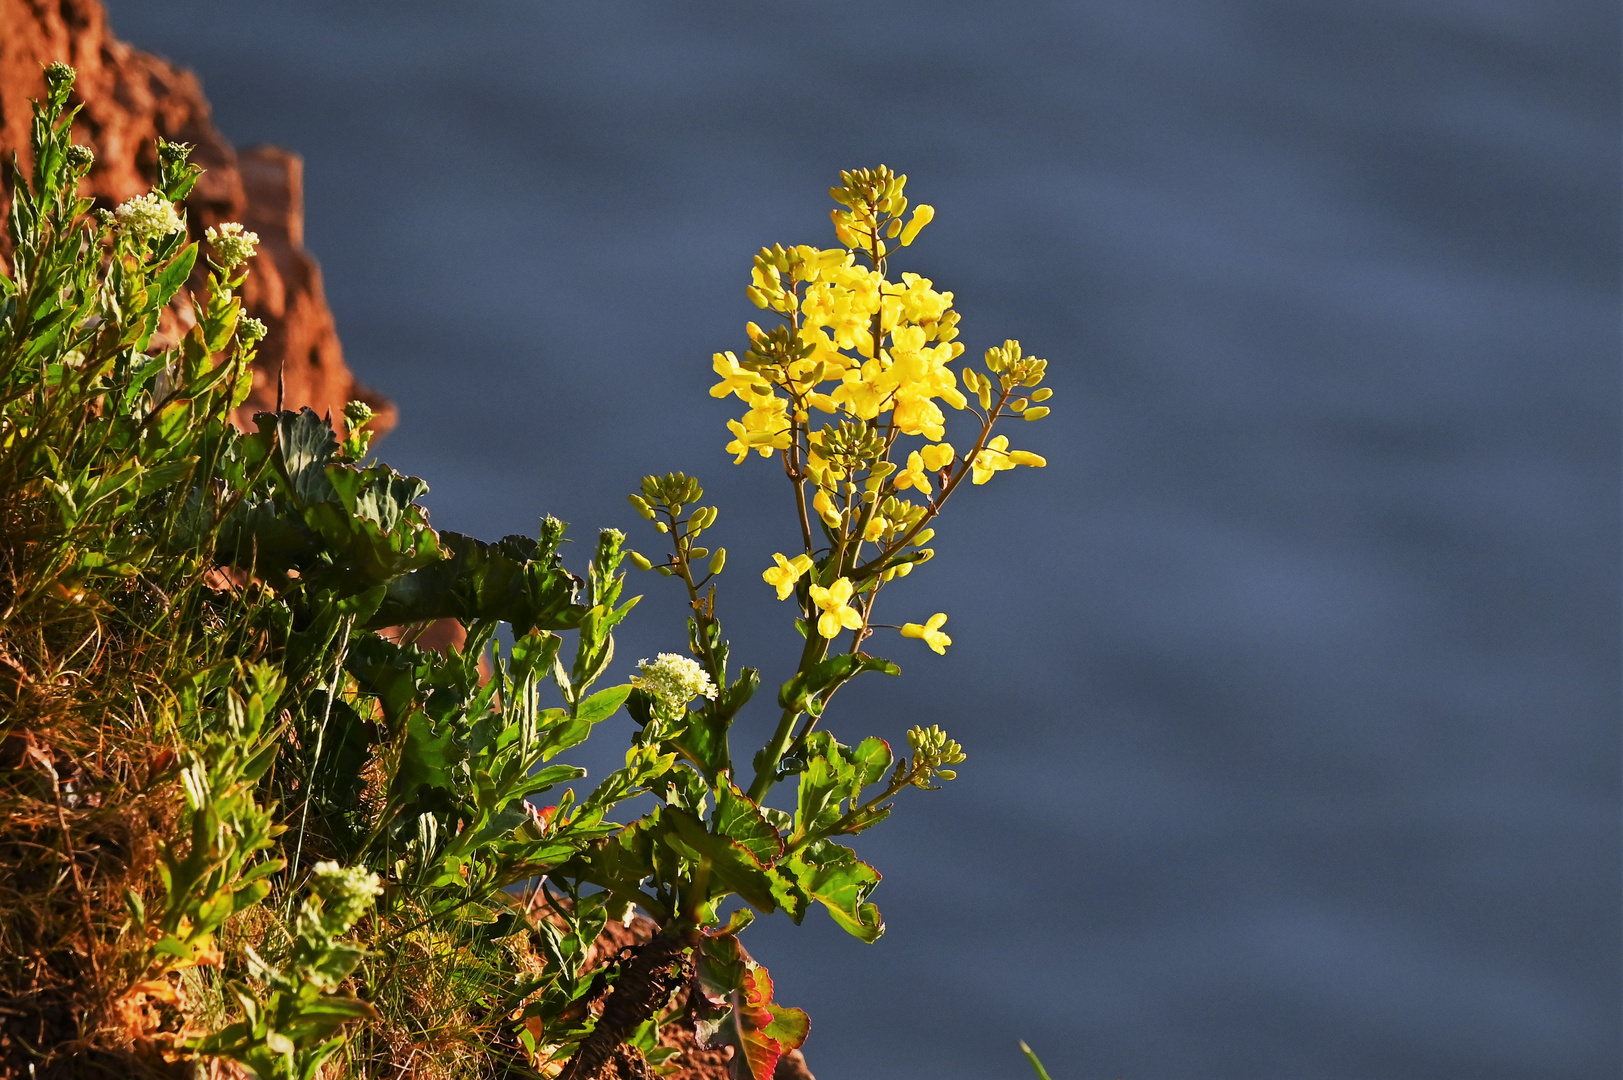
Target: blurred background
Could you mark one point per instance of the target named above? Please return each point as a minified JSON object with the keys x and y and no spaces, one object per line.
{"x":1291,"y":686}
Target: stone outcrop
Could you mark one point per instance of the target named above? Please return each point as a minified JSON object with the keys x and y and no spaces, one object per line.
{"x":130,"y":99}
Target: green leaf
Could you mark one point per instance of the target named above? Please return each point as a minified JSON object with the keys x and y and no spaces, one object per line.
{"x":738,"y":818}
{"x":789,"y":1027}
{"x":837,"y":879}
{"x":172,"y":275}
{"x":872,"y":759}
{"x":828,"y":779}
{"x":304,"y":443}
{"x":602,"y":705}
{"x":733,"y":865}
{"x":509,"y":580}
{"x":429,"y":754}
{"x":830,"y":674}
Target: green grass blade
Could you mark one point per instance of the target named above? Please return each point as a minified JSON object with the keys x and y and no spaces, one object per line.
{"x":1042,"y":1073}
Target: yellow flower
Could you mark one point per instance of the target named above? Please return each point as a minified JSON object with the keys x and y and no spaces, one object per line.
{"x":835,"y":602}
{"x":1026,"y":457}
{"x":923,"y":214}
{"x":913,"y":476}
{"x":764,"y":428}
{"x":930,"y":632}
{"x":826,"y":510}
{"x":784,"y":575}
{"x":938,"y":456}
{"x":993,"y":459}
{"x":876,"y":528}
{"x":734,"y":379}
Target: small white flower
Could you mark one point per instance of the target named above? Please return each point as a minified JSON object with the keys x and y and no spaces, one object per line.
{"x":346,"y":891}
{"x":233,"y":245}
{"x":673,"y":679}
{"x":149,"y":215}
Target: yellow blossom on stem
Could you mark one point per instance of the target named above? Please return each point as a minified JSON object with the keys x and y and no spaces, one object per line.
{"x":938,"y":456}
{"x":913,"y":476}
{"x":837,"y":612}
{"x":787,"y":571}
{"x":930,"y":633}
{"x":993,"y":459}
{"x":826,"y":509}
{"x":734,"y":378}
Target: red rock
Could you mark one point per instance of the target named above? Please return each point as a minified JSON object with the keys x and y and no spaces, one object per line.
{"x":131,"y":98}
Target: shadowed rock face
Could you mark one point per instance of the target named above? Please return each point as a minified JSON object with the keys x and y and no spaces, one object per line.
{"x":131,"y":98}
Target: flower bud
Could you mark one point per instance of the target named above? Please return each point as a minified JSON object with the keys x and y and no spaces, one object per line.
{"x":1037,"y":413}
{"x":640,"y":504}
{"x":924,"y":537}
{"x":1042,"y":395}
{"x":639,"y":560}
{"x":718,"y":561}
{"x":698,"y":552}
{"x":664,"y":571}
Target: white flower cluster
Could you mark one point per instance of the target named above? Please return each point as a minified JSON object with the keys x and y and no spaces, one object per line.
{"x":149,"y":215}
{"x":346,"y":893}
{"x":673,"y":679}
{"x":233,"y":245}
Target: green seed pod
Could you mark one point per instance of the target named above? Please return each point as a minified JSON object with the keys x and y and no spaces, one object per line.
{"x":662,"y":527}
{"x":664,"y":571}
{"x":698,"y":552}
{"x":718,"y":561}
{"x":640,"y":561}
{"x":641,"y":506}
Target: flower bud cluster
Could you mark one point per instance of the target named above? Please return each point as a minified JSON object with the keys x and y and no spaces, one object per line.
{"x":666,"y":501}
{"x":80,"y":158}
{"x":345,"y":893}
{"x":931,"y":751}
{"x":149,"y":216}
{"x":233,"y":245}
{"x":674,"y":680}
{"x":59,"y":78}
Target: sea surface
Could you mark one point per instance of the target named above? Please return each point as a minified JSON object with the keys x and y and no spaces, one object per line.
{"x":1291,"y":686}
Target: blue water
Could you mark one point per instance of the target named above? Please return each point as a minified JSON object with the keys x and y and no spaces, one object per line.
{"x":1291,"y":687}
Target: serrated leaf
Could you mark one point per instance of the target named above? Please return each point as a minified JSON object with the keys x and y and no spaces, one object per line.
{"x":427,"y":757}
{"x":738,"y":818}
{"x":733,"y":865}
{"x":836,"y":878}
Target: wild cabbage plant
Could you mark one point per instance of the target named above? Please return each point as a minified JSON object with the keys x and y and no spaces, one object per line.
{"x":364,"y":852}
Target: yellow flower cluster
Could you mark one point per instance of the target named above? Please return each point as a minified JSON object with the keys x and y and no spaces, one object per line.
{"x":875,"y":357}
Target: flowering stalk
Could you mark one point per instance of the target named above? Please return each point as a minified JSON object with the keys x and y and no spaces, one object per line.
{"x":875,"y":357}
